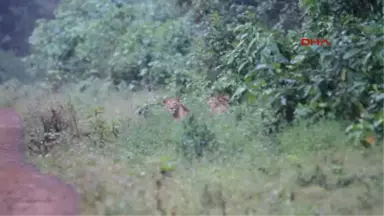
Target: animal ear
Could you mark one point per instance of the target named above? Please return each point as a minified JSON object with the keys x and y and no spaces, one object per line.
{"x":165,"y":101}
{"x":177,"y":98}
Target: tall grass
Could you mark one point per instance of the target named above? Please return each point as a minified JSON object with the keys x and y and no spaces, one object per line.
{"x":302,"y":170}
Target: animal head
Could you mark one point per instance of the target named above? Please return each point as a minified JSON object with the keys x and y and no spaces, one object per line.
{"x":219,"y":103}
{"x":177,"y":109}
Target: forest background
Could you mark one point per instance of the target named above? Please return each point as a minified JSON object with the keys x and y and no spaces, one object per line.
{"x":303,"y":134}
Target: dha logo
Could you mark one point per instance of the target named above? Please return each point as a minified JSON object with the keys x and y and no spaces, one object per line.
{"x":318,"y":42}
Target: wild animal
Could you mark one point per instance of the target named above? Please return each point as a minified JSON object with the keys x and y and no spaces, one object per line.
{"x":218,"y":104}
{"x":178,"y":110}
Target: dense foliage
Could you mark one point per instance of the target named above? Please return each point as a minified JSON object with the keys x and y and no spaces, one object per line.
{"x":124,"y":42}
{"x":238,"y":47}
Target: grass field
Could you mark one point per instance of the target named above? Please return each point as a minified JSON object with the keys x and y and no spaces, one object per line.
{"x":124,"y":163}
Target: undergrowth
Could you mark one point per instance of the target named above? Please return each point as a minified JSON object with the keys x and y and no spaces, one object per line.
{"x":125,"y":163}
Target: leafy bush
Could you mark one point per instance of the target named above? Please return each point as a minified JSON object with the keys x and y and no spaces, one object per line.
{"x":342,"y":81}
{"x":229,"y":46}
{"x":130,"y":42}
{"x":197,"y":138}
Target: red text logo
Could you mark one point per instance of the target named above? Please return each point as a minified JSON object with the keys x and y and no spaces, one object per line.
{"x":318,"y":42}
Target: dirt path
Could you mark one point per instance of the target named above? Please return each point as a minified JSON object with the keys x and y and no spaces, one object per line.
{"x":23,"y":189}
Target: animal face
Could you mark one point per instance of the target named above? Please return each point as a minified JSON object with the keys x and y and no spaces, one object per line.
{"x":177,"y":109}
{"x":23,"y":189}
{"x":218,"y":104}
{"x":172,"y":104}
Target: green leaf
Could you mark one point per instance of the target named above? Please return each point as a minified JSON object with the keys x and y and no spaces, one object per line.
{"x":307,"y":90}
{"x":378,"y":123}
{"x":240,"y":90}
{"x":350,"y":128}
{"x":262,"y":66}
{"x":379,"y":97}
{"x":298,"y":59}
{"x":251,"y":44}
{"x":379,"y":54}
{"x":322,"y":105}
{"x":240,"y":44}
{"x":344,"y":74}
{"x":366,"y":58}
{"x":241,"y":67}
{"x":351,"y":53}
{"x":251,"y":98}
